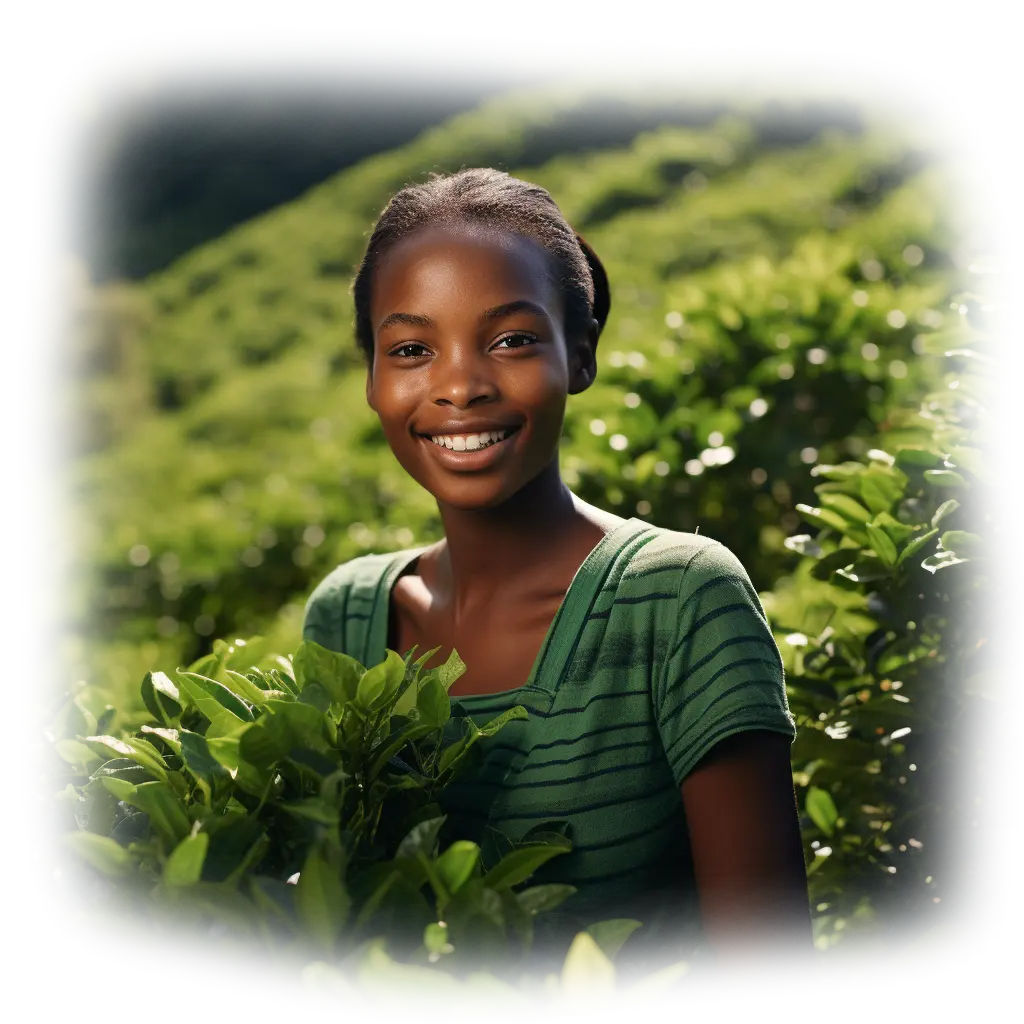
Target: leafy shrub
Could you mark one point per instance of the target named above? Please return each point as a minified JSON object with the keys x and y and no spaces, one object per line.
{"x":884,"y":650}
{"x":278,"y":817}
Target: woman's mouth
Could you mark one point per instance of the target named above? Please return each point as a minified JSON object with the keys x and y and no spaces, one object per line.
{"x":470,"y":451}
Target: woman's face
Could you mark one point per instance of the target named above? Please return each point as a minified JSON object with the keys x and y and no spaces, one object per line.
{"x":469,"y":339}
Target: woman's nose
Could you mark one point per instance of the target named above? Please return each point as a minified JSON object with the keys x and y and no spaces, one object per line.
{"x":462,"y":378}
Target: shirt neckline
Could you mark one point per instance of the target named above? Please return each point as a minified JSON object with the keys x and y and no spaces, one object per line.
{"x":568,"y":621}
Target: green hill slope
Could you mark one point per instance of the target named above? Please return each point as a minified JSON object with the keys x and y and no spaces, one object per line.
{"x":771,"y":298}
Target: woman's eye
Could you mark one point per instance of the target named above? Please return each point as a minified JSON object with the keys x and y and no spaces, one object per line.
{"x":404,"y":349}
{"x":517,"y":340}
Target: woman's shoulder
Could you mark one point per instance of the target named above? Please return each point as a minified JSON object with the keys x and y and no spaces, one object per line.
{"x":345,"y":593}
{"x":693,"y":559}
{"x":360,"y":573}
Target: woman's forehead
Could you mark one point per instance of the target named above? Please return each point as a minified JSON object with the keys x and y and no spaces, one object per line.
{"x":467,"y":264}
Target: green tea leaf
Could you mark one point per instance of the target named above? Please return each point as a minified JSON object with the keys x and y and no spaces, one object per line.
{"x":539,"y":898}
{"x":222,"y":902}
{"x":517,"y":866}
{"x":276,"y":899}
{"x":101,"y":853}
{"x":982,"y":467}
{"x":409,"y":734}
{"x":834,"y":561}
{"x":66,"y":801}
{"x":231,"y":846}
{"x":944,"y":478}
{"x":381,"y":682}
{"x":456,"y":864}
{"x":97,"y":812}
{"x":120,"y":789}
{"x":586,"y":968}
{"x":992,"y":684}
{"x":74,"y":719}
{"x":203,"y":690}
{"x":243,"y":687}
{"x":316,"y":696}
{"x":866,"y":569}
{"x":185,"y":864}
{"x":161,"y":697}
{"x":422,"y":838}
{"x":896,"y":531}
{"x":876,"y":497}
{"x":451,"y":670}
{"x":169,"y":736}
{"x":418,"y":664}
{"x":308,"y":727}
{"x":918,"y":457}
{"x":823,"y":517}
{"x":882,"y":544}
{"x":611,"y":935}
{"x":915,"y":546}
{"x":947,"y":508}
{"x":513,"y":714}
{"x":199,"y":760}
{"x":165,"y":811}
{"x":821,"y":810}
{"x":267,"y":741}
{"x":942,"y":560}
{"x":433,"y":704}
{"x":846,"y":507}
{"x":321,"y":900}
{"x":76,"y":753}
{"x":137,"y":750}
{"x":324,"y":985}
{"x":337,"y":673}
{"x":937,"y":944}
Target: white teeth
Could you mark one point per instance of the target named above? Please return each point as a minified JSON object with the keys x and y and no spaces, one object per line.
{"x":470,"y":442}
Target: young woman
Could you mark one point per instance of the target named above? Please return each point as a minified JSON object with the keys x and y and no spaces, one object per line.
{"x":659,"y":730}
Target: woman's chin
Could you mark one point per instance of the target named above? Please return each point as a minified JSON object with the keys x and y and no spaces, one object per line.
{"x":471,"y":499}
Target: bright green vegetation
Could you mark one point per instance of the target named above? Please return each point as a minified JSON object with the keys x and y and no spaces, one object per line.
{"x":804,"y":262}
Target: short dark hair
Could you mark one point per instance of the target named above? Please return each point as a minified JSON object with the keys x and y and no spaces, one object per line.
{"x":482,"y":195}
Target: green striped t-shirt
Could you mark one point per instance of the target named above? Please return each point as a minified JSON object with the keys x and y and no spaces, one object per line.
{"x":659,"y":650}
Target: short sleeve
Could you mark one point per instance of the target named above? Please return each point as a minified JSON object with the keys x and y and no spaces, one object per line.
{"x":723,"y":673}
{"x":326,"y":611}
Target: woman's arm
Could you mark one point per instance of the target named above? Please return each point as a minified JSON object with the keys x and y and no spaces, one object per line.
{"x":745,"y":838}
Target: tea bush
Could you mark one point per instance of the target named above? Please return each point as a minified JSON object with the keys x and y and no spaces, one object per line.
{"x":882,"y":628}
{"x":294,"y":802}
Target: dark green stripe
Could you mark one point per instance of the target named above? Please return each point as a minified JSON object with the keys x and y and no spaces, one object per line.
{"x":708,"y":743}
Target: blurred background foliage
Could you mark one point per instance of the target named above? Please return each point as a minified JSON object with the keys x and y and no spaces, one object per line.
{"x":786,"y":281}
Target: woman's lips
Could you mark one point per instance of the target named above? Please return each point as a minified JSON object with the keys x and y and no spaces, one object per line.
{"x":471,"y":460}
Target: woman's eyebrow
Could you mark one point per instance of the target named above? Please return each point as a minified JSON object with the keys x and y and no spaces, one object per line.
{"x":519,"y":306}
{"x":409,"y":319}
{"x":495,"y":313}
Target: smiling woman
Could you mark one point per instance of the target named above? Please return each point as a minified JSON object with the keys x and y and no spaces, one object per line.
{"x":659,"y":730}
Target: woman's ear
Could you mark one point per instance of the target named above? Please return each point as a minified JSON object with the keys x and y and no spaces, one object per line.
{"x":583,"y":360}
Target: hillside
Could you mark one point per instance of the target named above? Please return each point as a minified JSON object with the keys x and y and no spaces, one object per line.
{"x":774,"y":292}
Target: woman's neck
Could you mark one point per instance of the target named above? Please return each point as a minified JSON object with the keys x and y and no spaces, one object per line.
{"x":509,"y":551}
